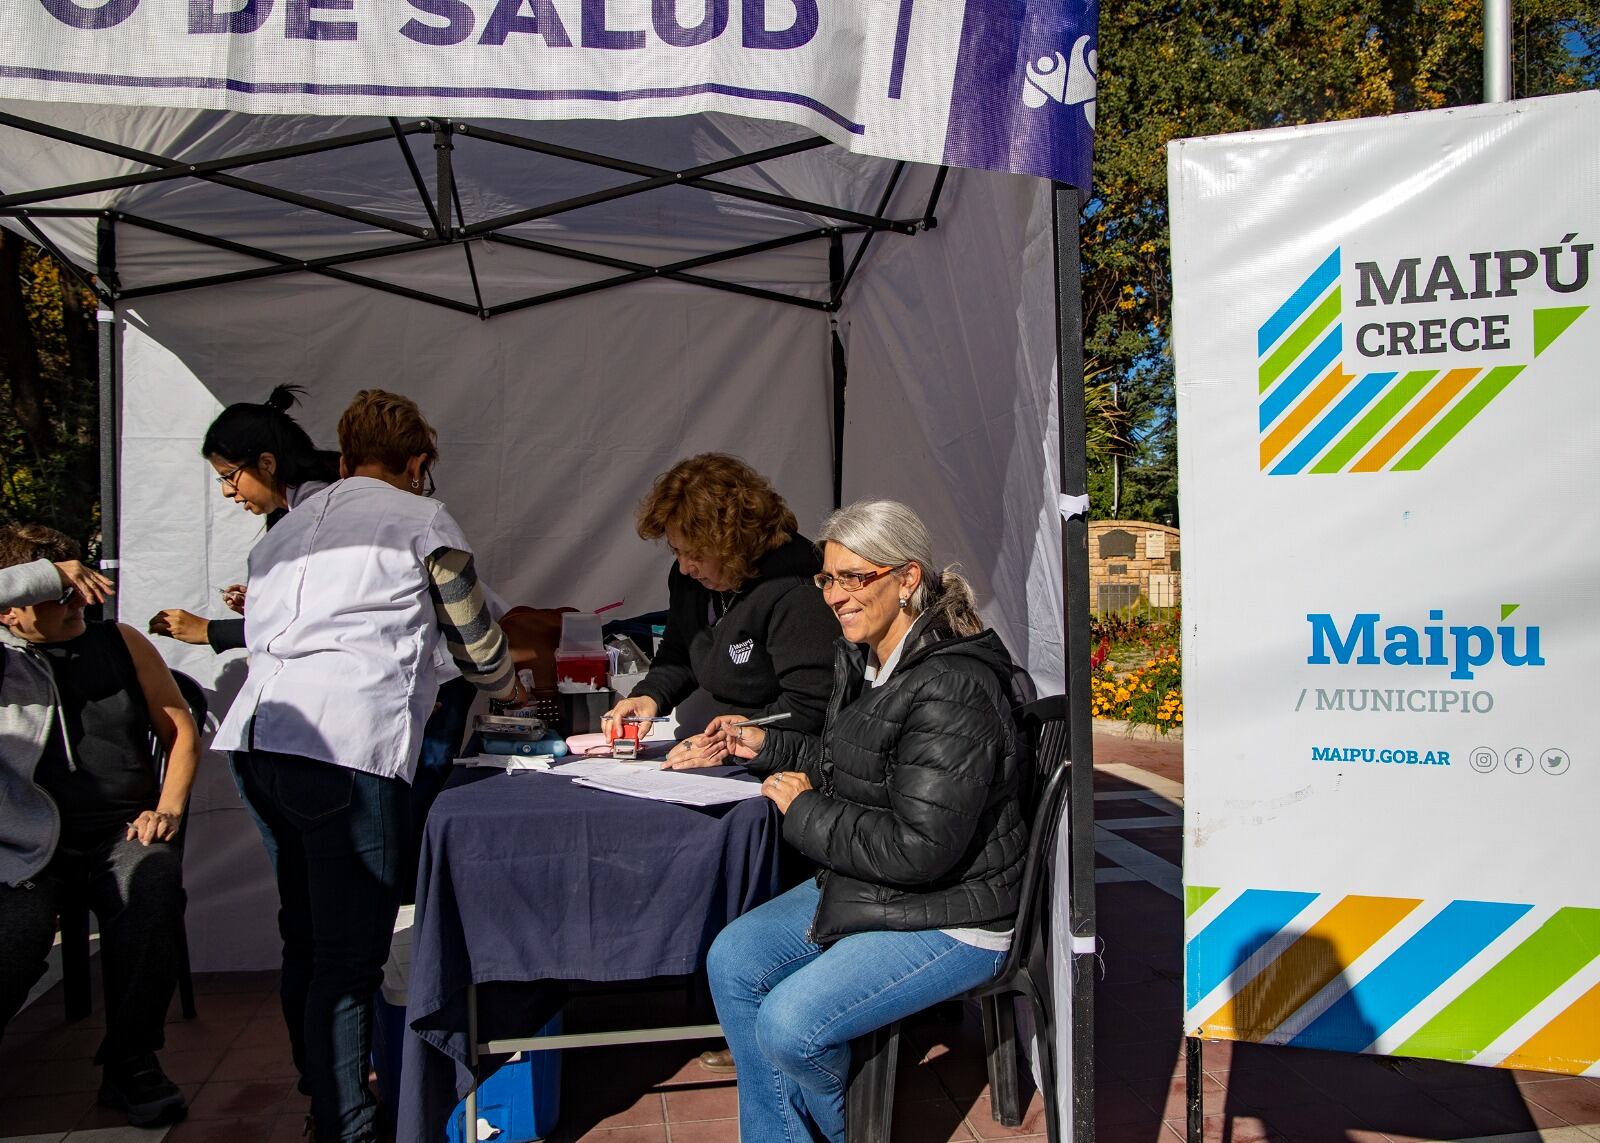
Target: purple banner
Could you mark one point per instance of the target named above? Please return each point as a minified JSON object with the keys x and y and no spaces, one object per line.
{"x":1024,"y":93}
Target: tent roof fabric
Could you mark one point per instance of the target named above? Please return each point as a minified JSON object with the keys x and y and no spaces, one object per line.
{"x":483,"y":217}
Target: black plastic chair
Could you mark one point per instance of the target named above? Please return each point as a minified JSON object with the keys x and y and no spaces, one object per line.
{"x":1025,"y":973}
{"x":75,"y":910}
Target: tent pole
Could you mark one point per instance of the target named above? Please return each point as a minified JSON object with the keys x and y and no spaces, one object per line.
{"x":150,"y":159}
{"x":1496,"y":51}
{"x":836,"y":282}
{"x":181,"y":170}
{"x":416,"y":172}
{"x":1074,"y":461}
{"x":106,"y":319}
{"x":840,"y":286}
{"x":445,"y":177}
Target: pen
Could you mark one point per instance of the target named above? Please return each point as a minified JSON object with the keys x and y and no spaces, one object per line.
{"x":765,"y":720}
{"x":640,"y":718}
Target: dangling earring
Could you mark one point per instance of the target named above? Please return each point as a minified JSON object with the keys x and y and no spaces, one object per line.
{"x":904,"y":603}
{"x":416,"y":484}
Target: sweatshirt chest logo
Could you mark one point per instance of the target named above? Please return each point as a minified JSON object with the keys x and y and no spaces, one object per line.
{"x":740,"y":652}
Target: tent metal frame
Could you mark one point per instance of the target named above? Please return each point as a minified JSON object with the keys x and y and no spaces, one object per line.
{"x":448,"y":226}
{"x":447,"y":223}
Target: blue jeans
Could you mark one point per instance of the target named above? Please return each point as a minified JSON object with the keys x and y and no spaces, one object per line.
{"x":790,"y":1007}
{"x":337,"y":840}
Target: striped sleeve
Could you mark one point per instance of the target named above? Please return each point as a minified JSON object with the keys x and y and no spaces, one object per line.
{"x":474,"y":640}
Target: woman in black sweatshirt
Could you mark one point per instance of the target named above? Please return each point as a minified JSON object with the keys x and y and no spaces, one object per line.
{"x":745,"y":625}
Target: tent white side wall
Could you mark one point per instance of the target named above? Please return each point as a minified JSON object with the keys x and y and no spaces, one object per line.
{"x":554,"y":419}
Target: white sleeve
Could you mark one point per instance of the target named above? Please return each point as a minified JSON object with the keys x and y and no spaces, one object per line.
{"x":27,"y":584}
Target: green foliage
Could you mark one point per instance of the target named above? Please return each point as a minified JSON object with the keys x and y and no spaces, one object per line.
{"x":1172,"y":70}
{"x":49,"y":441}
{"x":1145,"y":630}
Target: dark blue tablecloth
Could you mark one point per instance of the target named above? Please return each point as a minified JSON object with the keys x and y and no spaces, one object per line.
{"x":526,"y":877}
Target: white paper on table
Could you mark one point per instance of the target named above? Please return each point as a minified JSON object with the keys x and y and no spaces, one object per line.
{"x":598,"y":768}
{"x":673,"y":786}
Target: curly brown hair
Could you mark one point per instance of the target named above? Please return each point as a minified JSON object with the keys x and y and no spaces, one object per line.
{"x":725,"y":510}
{"x":24,"y":543}
{"x":385,"y":428}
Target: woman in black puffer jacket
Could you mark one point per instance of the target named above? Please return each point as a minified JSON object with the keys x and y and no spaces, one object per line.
{"x":909,"y":801}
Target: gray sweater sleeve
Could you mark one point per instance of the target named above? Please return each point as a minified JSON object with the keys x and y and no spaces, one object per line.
{"x":27,"y":584}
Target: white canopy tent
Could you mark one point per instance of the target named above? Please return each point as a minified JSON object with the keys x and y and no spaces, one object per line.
{"x":576,"y":304}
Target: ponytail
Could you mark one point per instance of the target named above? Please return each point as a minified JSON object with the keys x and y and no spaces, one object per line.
{"x":952,"y":604}
{"x":283,"y":398}
{"x":243,"y":431}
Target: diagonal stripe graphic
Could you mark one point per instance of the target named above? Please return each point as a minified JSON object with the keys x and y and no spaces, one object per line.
{"x":1382,"y":413}
{"x":1549,"y":324}
{"x":1326,"y":429}
{"x":1298,"y":302}
{"x":1416,"y":417}
{"x":1301,"y":415}
{"x":1196,"y":895}
{"x":1570,"y":1043}
{"x":1308,"y":966}
{"x":1470,"y":405}
{"x":1240,"y":930}
{"x":1295,"y":344}
{"x":1409,"y":975}
{"x":1314,"y":365}
{"x":1505,"y":993}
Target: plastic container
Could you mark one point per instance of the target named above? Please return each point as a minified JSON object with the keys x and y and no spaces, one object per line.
{"x":584,"y":669}
{"x":580,"y":633}
{"x":519,"y":1103}
{"x":522,"y":1100}
{"x":552,"y":745}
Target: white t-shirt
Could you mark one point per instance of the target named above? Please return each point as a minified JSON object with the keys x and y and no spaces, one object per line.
{"x":977,"y":938}
{"x":341,"y":630}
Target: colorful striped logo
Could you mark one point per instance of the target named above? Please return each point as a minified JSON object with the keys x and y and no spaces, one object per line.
{"x":1486,"y":982}
{"x":1316,"y":416}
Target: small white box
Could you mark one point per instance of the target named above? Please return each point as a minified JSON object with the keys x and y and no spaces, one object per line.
{"x":623,"y":684}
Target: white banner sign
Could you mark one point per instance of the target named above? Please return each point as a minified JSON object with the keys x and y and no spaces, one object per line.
{"x":999,"y":84}
{"x":1389,"y":432}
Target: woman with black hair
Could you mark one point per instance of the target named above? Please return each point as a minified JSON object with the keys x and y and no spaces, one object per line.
{"x":266,"y":463}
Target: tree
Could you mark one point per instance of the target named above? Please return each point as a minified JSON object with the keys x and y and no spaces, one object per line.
{"x":49,"y":446}
{"x":1172,"y":69}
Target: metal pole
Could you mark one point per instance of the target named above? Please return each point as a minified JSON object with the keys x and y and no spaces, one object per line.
{"x":1193,"y":1087}
{"x":469,"y":1126}
{"x":836,"y":283}
{"x":1496,"y":51}
{"x":106,"y":320}
{"x":1074,"y":460}
{"x":445,"y":178}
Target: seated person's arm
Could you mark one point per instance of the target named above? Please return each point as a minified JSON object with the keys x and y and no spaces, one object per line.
{"x":770,"y":749}
{"x":175,"y":729}
{"x":40,"y":581}
{"x":474,"y":640}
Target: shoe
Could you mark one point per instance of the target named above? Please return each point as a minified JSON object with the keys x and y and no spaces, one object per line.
{"x":139,"y":1087}
{"x":721,"y":1061}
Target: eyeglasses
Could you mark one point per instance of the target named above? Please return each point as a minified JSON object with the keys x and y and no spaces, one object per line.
{"x":229,"y":479}
{"x":428,"y":486}
{"x":851,"y":581}
{"x":66,"y":596}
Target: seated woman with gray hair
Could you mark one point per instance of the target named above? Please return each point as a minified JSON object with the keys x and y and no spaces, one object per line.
{"x":908,"y":801}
